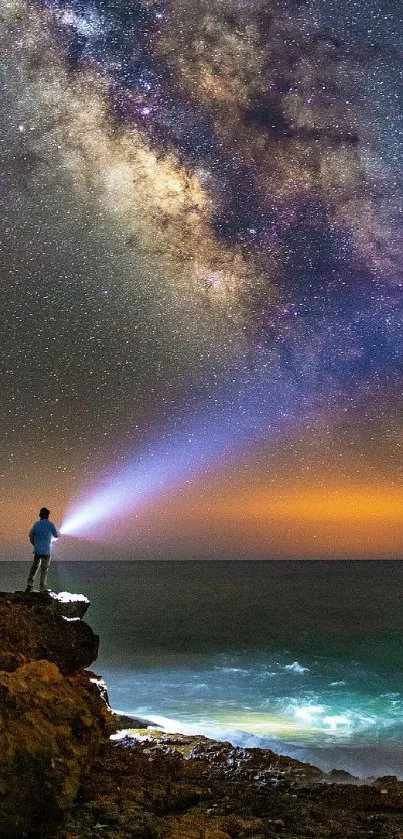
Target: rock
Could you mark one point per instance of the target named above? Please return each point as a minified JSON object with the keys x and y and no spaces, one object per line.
{"x":60,"y":603}
{"x":54,"y":715}
{"x":32,"y":627}
{"x":387,"y":781}
{"x":341,"y":776}
{"x":51,"y":729}
{"x":175,"y":787}
{"x":126,"y":721}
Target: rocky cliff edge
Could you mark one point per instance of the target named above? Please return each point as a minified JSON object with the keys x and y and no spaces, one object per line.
{"x":54,"y":714}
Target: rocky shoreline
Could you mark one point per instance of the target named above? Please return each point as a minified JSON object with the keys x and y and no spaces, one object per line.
{"x":62,"y":776}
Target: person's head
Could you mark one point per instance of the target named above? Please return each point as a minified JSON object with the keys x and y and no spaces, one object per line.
{"x":44,"y":513}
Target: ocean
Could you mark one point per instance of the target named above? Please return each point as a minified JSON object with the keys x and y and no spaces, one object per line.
{"x":304,"y":657}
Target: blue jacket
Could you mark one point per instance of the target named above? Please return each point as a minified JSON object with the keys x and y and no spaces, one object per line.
{"x":42,"y":532}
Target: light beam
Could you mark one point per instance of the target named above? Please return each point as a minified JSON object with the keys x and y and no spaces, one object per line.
{"x":188,"y":451}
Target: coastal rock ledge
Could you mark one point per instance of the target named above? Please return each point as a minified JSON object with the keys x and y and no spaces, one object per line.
{"x":53,"y":713}
{"x":62,"y":776}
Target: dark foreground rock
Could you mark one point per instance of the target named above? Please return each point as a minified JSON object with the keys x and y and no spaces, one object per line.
{"x":38,"y":626}
{"x":62,"y":603}
{"x":175,"y":787}
{"x":124,"y":721}
{"x":53,"y":714}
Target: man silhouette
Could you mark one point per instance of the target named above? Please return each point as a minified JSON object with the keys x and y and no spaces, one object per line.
{"x":40,"y":536}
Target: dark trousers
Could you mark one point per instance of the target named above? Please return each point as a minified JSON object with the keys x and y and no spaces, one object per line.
{"x":42,"y":560}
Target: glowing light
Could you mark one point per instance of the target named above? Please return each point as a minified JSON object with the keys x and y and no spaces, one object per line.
{"x":296,"y":667}
{"x":68,"y":597}
{"x":188,"y":452}
{"x":309,"y":713}
{"x":326,"y":719}
{"x":224,"y":726}
{"x":147,"y":476}
{"x":335,"y":721}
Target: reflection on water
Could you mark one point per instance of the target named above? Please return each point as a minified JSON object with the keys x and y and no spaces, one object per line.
{"x":265,"y":699}
{"x":302,"y":657}
{"x":333,"y":727}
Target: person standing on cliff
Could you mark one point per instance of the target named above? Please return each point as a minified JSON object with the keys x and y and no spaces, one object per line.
{"x":40,"y":536}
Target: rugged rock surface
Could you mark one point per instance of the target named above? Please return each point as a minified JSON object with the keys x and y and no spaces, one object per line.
{"x":39,"y":626}
{"x":176,"y":787}
{"x":63,"y":603}
{"x":53,"y":714}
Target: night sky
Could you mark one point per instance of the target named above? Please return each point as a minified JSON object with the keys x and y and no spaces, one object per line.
{"x":201,"y":272}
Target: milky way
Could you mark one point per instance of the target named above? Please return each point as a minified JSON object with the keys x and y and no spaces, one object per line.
{"x":198,"y":199}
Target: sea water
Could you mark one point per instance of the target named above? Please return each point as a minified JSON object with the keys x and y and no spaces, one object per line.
{"x":302,"y":657}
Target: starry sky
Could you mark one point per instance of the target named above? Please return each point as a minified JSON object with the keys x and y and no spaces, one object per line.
{"x":201,"y":272}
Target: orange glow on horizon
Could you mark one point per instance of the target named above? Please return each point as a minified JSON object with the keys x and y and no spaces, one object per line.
{"x":243,"y":519}
{"x":318,"y":505}
{"x":302,"y":522}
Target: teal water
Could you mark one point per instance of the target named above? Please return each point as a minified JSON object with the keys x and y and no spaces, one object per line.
{"x":305,"y":657}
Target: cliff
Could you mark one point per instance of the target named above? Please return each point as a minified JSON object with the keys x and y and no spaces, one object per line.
{"x":62,"y":776}
{"x":53,"y":713}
